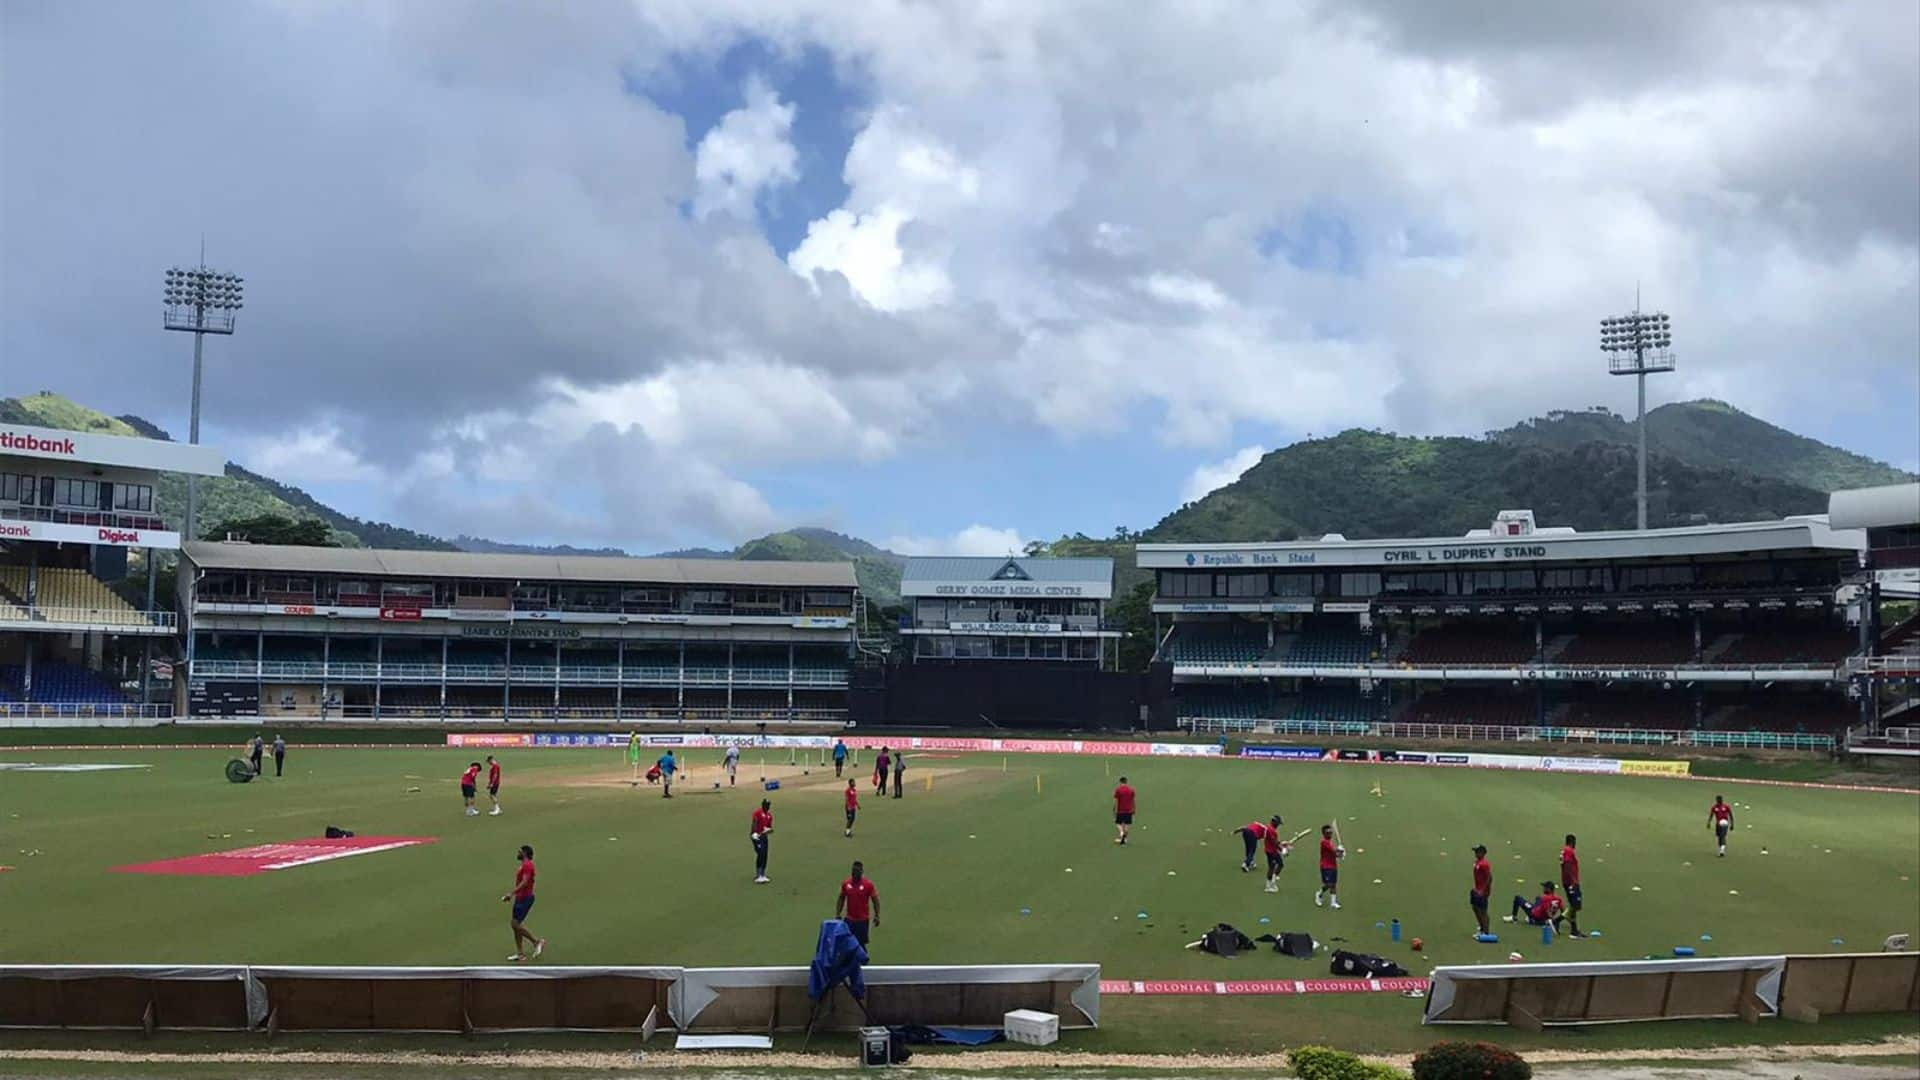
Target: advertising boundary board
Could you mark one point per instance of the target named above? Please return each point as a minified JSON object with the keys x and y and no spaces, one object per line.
{"x":860,"y":742}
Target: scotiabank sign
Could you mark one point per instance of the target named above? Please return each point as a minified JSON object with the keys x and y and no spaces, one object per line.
{"x":93,"y":448}
{"x":53,"y":532}
{"x":27,"y":442}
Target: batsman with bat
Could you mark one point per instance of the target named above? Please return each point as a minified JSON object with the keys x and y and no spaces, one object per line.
{"x":1331,"y":852}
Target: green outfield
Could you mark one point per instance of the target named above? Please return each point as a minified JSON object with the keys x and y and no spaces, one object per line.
{"x":986,"y":859}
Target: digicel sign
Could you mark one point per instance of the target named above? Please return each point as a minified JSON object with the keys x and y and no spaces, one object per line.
{"x":54,"y":532}
{"x":22,"y":443}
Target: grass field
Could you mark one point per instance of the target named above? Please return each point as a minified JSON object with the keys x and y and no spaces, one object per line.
{"x":1001,"y":860}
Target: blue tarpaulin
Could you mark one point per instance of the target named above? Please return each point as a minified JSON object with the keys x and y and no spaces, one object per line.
{"x":837,"y":958}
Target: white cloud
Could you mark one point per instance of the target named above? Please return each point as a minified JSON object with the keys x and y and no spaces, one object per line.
{"x":748,"y":152}
{"x":1213,"y":475}
{"x":866,"y":249}
{"x":972,"y":540}
{"x":1183,"y":289}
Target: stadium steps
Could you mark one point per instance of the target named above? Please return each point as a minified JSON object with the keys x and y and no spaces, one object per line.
{"x":63,"y":587}
{"x":1557,"y":644}
{"x":1717,"y":648}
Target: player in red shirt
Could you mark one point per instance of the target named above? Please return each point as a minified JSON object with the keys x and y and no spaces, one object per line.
{"x":1330,"y":856}
{"x":1570,"y":885}
{"x":1544,"y":909}
{"x":1482,"y":886}
{"x":522,"y":896}
{"x":1251,"y":834}
{"x":1122,"y":810}
{"x":468,"y":781}
{"x":853,"y":805}
{"x":493,"y":784}
{"x":761,"y":835}
{"x":1720,"y":820}
{"x":857,"y":896}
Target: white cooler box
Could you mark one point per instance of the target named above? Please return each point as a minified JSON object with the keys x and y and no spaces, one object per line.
{"x":1032,"y":1028}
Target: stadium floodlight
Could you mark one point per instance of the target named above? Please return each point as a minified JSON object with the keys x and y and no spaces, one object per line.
{"x":199,"y":301}
{"x":1638,"y":344}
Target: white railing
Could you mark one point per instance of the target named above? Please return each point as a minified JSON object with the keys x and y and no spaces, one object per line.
{"x":547,"y":714}
{"x":518,"y":674}
{"x":1532,"y":672}
{"x":16,"y":617}
{"x":25,"y":714}
{"x":1897,"y":664}
{"x":1746,"y":740}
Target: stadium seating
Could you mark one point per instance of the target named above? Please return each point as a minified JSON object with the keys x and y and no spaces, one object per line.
{"x":1223,"y":702}
{"x":1654,"y":710}
{"x":1666,"y":642}
{"x":61,"y":684}
{"x":282,"y":650}
{"x":1809,"y":712}
{"x":1790,"y":643}
{"x":1335,"y":705}
{"x":1332,"y":641}
{"x":1217,"y":643}
{"x":71,"y":590}
{"x":1472,"y":643}
{"x":1472,"y":706}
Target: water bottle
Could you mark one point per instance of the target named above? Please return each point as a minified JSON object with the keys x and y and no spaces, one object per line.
{"x":1394,"y":930}
{"x":1546,"y":933}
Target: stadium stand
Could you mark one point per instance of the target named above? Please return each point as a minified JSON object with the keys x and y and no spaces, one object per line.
{"x":1463,"y":705}
{"x":1235,"y":704}
{"x":1790,"y":643}
{"x":1472,"y":643}
{"x":1636,"y":644}
{"x":1332,"y":640}
{"x":1651,"y":710}
{"x":70,"y":589}
{"x":62,"y":684}
{"x":1802,"y":711}
{"x":1335,"y":705}
{"x":1217,"y":643}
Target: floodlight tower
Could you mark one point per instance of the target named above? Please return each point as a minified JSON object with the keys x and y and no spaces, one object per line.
{"x":201,"y":302}
{"x":1639,"y":344}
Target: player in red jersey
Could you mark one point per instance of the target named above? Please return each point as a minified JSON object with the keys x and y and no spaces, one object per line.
{"x":1720,"y":820}
{"x":1251,"y":834}
{"x":858,"y":901}
{"x":1570,"y":885}
{"x":1482,"y":886}
{"x":1543,"y":909}
{"x":762,"y":826}
{"x":493,"y":785}
{"x":522,"y":896}
{"x":1123,"y":798}
{"x":1330,"y":856}
{"x":853,"y":805}
{"x":468,"y":781}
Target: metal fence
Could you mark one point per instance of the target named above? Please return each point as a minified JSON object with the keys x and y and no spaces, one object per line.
{"x":1732,"y":740}
{"x":523,"y":674}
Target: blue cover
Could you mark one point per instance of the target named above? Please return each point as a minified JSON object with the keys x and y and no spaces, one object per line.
{"x":968,"y":1036}
{"x":837,"y":958}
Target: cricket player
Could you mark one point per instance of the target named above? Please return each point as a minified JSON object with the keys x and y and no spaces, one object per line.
{"x":1543,"y":909}
{"x":468,"y":781}
{"x":668,"y":766}
{"x":1277,"y":851}
{"x":1482,"y":886}
{"x":880,"y":765}
{"x":761,"y":835}
{"x":1330,"y":856}
{"x":1720,"y":820}
{"x":731,"y":762}
{"x":1250,"y":835}
{"x":522,"y":896}
{"x":839,"y":756}
{"x":1123,"y":802}
{"x":1570,"y":885}
{"x":853,"y":804}
{"x":493,"y":785}
{"x":859,"y":901}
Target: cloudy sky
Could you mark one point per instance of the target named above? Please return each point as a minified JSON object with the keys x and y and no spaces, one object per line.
{"x":942,"y":275}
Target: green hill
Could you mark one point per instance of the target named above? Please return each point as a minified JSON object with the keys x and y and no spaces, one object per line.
{"x":1371,"y":484}
{"x":877,"y":569}
{"x":1711,"y":435}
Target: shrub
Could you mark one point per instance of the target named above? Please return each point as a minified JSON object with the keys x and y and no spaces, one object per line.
{"x":1470,"y":1061}
{"x":1322,"y":1063}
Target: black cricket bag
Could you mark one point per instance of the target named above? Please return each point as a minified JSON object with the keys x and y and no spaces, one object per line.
{"x":335,"y":832}
{"x":1299,"y":946}
{"x":1364,"y":966}
{"x":1224,"y":940}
